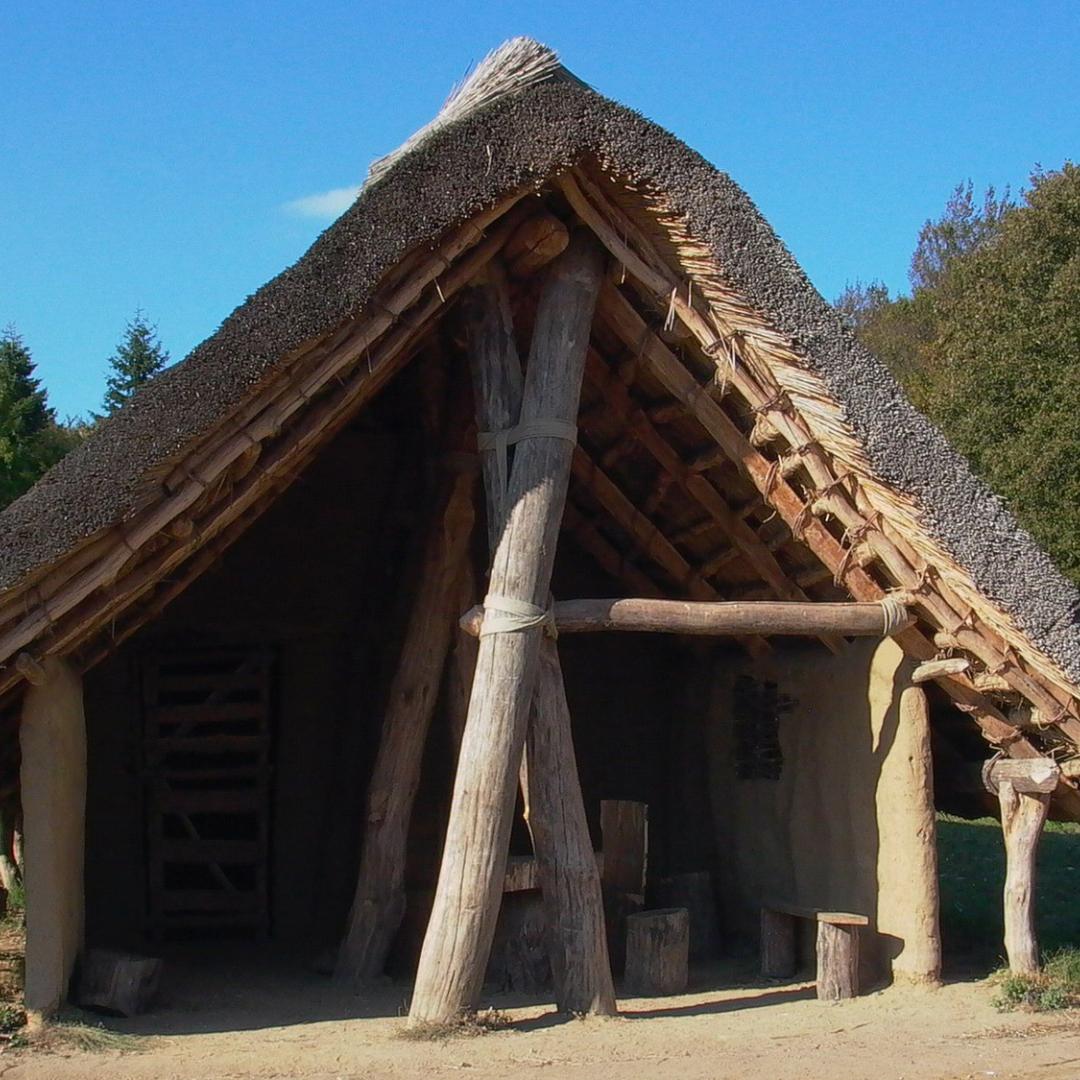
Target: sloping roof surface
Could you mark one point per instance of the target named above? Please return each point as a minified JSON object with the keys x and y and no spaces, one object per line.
{"x":478,"y":154}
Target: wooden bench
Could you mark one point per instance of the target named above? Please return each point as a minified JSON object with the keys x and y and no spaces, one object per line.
{"x":837,"y":947}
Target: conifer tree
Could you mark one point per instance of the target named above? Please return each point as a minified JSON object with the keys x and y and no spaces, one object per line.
{"x":138,"y":358}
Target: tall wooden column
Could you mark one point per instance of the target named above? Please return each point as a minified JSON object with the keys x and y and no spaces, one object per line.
{"x":379,"y":900}
{"x":1023,"y":789}
{"x":458,"y":941}
{"x":556,"y":810}
{"x":52,"y":737}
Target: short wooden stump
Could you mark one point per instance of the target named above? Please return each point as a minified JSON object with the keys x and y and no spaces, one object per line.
{"x":657,"y":951}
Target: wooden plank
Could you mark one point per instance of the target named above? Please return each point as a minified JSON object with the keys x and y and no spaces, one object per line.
{"x":839,"y":918}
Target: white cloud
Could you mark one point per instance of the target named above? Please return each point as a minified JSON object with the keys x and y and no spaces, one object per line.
{"x":325,"y":204}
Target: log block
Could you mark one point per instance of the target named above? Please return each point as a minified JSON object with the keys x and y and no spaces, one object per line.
{"x":837,"y":961}
{"x":624,"y":827}
{"x":657,"y":951}
{"x":118,"y":982}
{"x":778,"y":955}
{"x":694,"y":891}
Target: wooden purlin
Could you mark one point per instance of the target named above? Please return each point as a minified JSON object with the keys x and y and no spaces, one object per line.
{"x":730,"y":345}
{"x":743,"y":538}
{"x":107,"y":587}
{"x":612,"y":561}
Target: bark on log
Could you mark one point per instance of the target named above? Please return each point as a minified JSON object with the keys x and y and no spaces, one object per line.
{"x":459,"y":935}
{"x":555,"y":810}
{"x":709,"y":618}
{"x":379,"y":901}
{"x":778,"y":955}
{"x":657,"y":951}
{"x":1022,"y":818}
{"x":837,"y":961}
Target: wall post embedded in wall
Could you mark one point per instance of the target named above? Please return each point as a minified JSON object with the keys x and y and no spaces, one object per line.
{"x":462,"y":924}
{"x":556,"y":810}
{"x":52,"y":738}
{"x":1023,"y":790}
{"x":379,"y":901}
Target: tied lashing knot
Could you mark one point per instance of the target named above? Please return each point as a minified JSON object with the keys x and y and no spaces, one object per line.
{"x":505,"y":615}
{"x":500,"y":441}
{"x":894,"y":616}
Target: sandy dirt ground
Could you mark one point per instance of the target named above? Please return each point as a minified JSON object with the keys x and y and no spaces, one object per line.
{"x":282,"y":1023}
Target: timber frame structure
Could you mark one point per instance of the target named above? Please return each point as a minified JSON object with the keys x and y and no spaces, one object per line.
{"x":734,"y":443}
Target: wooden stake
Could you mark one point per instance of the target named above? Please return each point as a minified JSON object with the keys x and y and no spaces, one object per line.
{"x":458,"y":939}
{"x":555,"y":810}
{"x":1022,"y":816}
{"x":379,"y":901}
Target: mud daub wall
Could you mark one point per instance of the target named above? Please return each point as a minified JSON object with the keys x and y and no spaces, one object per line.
{"x":797,"y":745}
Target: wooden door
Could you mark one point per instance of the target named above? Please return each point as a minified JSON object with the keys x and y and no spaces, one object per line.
{"x":207,"y":783}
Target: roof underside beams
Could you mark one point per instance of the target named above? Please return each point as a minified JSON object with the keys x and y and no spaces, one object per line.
{"x":711,"y":465}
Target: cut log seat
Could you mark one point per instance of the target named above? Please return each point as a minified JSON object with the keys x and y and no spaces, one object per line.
{"x":837,"y":946}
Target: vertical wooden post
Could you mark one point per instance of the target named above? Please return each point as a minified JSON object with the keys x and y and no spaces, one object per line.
{"x":459,"y":934}
{"x":1022,"y":816}
{"x":554,"y":805}
{"x":379,"y":901}
{"x":779,"y":959}
{"x":837,"y":961}
{"x":52,"y":736}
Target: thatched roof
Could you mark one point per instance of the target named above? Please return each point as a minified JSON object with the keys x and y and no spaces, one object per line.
{"x":524,"y":121}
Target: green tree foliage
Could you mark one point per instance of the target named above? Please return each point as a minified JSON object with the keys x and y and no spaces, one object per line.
{"x":988,"y":345}
{"x":31,"y":440}
{"x":138,"y":358}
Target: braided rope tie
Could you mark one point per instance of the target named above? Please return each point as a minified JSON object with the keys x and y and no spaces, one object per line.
{"x":894,"y":616}
{"x":500,"y":441}
{"x":505,"y":615}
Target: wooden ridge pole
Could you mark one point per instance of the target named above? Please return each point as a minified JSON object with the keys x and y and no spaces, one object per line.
{"x":720,"y":618}
{"x":459,"y":934}
{"x":379,"y":901}
{"x":549,"y":775}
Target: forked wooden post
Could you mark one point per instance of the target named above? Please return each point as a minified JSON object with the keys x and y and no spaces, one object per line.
{"x":458,"y":940}
{"x":1023,"y":790}
{"x":379,"y":901}
{"x":557,"y":822}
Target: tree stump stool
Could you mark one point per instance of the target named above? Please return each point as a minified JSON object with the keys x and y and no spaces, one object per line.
{"x":119,"y":982}
{"x":657,"y":951}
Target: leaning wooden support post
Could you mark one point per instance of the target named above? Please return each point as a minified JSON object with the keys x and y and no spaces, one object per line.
{"x":1023,"y":790}
{"x":458,"y":940}
{"x":720,"y":618}
{"x":555,"y":807}
{"x":52,"y":737}
{"x":379,"y":901}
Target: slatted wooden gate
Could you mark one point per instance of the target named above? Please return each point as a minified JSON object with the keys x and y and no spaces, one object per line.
{"x":208,"y":769}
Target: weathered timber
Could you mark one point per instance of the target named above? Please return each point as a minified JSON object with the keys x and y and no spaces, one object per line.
{"x":379,"y":900}
{"x":118,"y":982}
{"x":657,"y":951}
{"x":555,"y":810}
{"x":624,"y":828}
{"x":694,"y":891}
{"x":1027,"y":776}
{"x":534,"y":244}
{"x":934,"y":669}
{"x":708,"y":618}
{"x":1023,"y":814}
{"x":459,"y":934}
{"x":778,"y":956}
{"x":837,"y":961}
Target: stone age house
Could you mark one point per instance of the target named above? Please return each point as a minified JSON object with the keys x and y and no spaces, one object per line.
{"x":233,"y":685}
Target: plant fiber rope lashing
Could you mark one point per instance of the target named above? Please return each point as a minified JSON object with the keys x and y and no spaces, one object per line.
{"x":505,"y":615}
{"x":500,"y":441}
{"x":894,"y":616}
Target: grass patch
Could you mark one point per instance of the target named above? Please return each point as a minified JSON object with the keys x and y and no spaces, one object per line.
{"x":971,"y":859}
{"x":468,"y":1026}
{"x":73,"y":1031}
{"x":1057,"y":986}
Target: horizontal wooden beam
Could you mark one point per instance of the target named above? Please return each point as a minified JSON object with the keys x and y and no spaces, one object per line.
{"x":1032,"y":774}
{"x":708,"y":618}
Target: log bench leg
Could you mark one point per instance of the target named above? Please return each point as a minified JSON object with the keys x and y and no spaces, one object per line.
{"x":658,"y":951}
{"x":837,"y":961}
{"x":777,"y":944}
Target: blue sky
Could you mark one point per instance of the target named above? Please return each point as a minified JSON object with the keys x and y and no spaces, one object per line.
{"x":160,"y":155}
